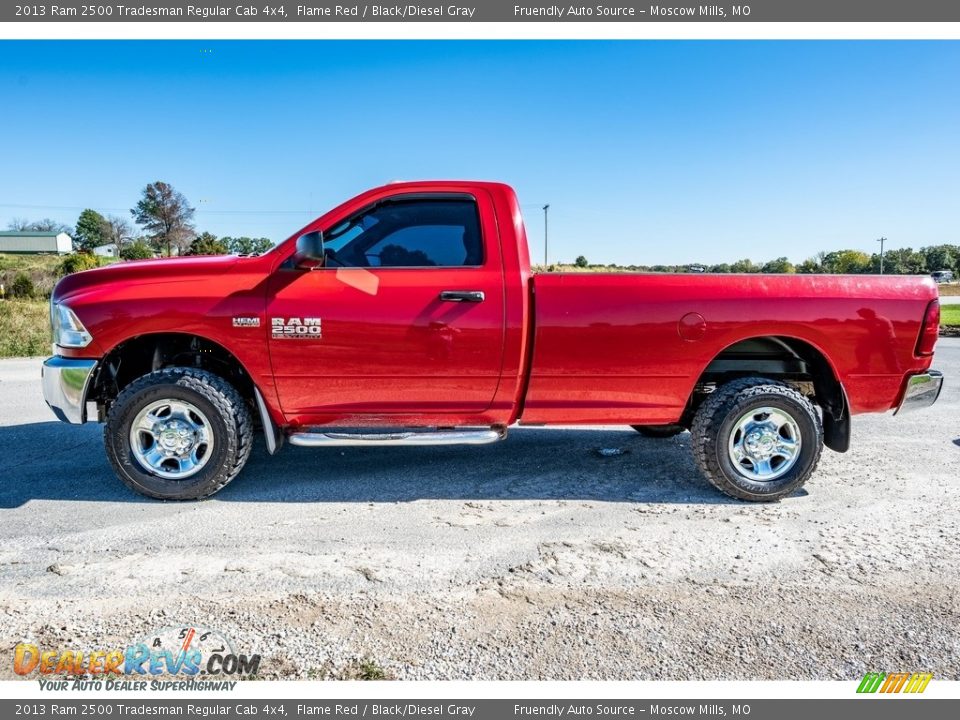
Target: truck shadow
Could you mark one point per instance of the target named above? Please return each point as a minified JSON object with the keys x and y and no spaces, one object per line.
{"x":52,"y":461}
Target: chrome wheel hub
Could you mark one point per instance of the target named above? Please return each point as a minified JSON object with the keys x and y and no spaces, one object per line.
{"x":764,"y":444}
{"x":171,"y":439}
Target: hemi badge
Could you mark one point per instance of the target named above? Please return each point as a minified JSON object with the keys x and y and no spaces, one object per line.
{"x":246,"y":322}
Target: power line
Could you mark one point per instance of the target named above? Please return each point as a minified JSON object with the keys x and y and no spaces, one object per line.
{"x":78,"y":208}
{"x":230,"y":211}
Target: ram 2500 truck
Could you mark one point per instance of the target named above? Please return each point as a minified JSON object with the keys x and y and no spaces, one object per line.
{"x":409,"y":316}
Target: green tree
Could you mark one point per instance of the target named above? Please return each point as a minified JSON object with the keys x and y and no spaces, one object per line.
{"x":942,"y":257}
{"x":721,"y":268}
{"x":905,"y":261}
{"x":581,"y":262}
{"x":846,"y":262}
{"x":91,"y":231}
{"x":780,"y":265}
{"x":247,"y":245}
{"x":207,"y":244}
{"x":810,"y":266}
{"x":137,"y":250}
{"x":167,"y":216}
{"x":744,"y":266}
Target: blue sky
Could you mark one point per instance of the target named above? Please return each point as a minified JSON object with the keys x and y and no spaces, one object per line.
{"x":647,"y":151}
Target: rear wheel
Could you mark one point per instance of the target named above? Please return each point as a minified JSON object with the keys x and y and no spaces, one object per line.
{"x":659,"y":431}
{"x":178,"y":434}
{"x":757,"y":439}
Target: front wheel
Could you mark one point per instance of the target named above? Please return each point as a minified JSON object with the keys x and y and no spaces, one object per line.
{"x":757,"y":439}
{"x":178,"y":434}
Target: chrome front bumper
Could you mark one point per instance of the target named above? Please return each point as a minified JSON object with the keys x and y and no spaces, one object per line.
{"x":922,"y":391}
{"x":65,"y":382}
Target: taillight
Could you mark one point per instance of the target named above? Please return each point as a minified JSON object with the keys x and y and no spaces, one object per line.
{"x":930,"y":330}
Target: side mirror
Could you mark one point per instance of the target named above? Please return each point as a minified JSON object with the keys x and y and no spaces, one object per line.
{"x":309,"y":253}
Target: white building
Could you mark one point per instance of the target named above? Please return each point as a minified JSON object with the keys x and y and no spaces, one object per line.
{"x":108,"y":250}
{"x":35,"y":242}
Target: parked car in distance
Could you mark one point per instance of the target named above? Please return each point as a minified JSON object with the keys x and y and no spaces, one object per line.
{"x":942,"y":276}
{"x":409,"y":316}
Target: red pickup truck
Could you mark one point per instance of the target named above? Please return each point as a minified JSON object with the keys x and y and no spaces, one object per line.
{"x":409,"y":316}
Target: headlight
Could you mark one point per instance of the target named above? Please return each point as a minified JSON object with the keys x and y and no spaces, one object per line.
{"x":68,"y":331}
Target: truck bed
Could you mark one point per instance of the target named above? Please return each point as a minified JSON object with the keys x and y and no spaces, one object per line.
{"x":631,"y":347}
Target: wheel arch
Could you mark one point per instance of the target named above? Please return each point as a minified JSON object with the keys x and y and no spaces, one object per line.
{"x":792,"y":359}
{"x":141,"y":354}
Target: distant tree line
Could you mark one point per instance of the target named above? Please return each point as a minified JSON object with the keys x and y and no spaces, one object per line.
{"x":904,"y":261}
{"x":165,"y":227}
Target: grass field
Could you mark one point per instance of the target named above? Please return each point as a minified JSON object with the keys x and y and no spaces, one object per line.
{"x":24,"y":328}
{"x":25,"y":324}
{"x":41,"y":269}
{"x":950,"y":315}
{"x":949,"y":290}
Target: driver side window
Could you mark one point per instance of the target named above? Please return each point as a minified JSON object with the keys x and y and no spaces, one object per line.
{"x":432,"y":232}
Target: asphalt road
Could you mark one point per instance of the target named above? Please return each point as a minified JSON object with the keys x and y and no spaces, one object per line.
{"x":533,"y":558}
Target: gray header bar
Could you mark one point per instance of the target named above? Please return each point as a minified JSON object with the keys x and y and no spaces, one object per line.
{"x":228,"y":708}
{"x":897,"y":11}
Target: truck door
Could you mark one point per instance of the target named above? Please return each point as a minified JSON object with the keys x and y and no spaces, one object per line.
{"x":405,"y":317}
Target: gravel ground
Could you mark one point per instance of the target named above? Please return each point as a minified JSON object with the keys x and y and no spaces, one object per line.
{"x":532,"y":559}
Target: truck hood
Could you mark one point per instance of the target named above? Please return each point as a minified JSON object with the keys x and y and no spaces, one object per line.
{"x":145,"y":271}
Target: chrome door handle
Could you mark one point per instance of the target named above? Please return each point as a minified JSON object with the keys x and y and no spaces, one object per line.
{"x":473,"y":296}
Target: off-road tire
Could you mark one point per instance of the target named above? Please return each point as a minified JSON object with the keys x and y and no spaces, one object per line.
{"x":659,"y":431}
{"x":229,"y":418}
{"x":715,"y":420}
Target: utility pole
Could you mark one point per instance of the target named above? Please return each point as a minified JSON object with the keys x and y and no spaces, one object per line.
{"x":545,"y":208}
{"x":881,"y":241}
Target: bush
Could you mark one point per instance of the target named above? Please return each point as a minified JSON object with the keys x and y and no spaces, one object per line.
{"x":22,"y":287}
{"x":77,"y":262}
{"x":136,"y":251}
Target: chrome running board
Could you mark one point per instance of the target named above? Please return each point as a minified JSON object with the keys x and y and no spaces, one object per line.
{"x":411,"y":437}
